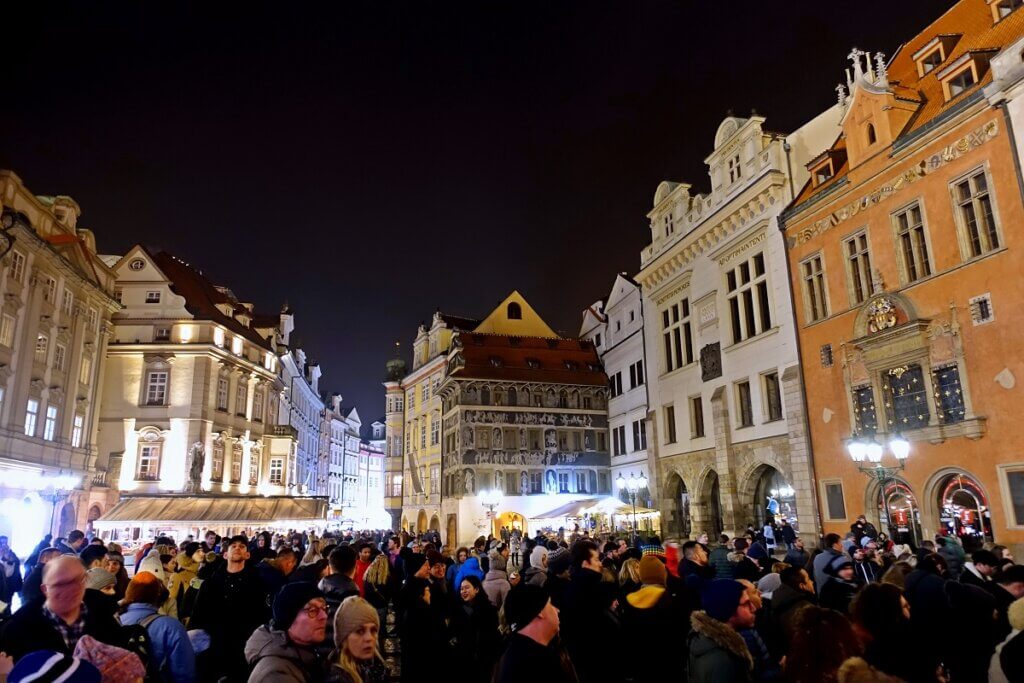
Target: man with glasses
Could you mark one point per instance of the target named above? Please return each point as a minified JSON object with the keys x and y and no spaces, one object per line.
{"x":285,"y":649}
{"x":61,"y":618}
{"x":717,"y":650}
{"x":231,"y":604}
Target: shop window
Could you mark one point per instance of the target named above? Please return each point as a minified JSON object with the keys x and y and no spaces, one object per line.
{"x":949,"y":397}
{"x":907,"y":397}
{"x":865,"y":418}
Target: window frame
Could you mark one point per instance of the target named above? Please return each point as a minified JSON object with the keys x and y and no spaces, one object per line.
{"x":858,"y":266}
{"x":826,"y":512}
{"x":148,"y":392}
{"x":154,"y":446}
{"x":963,"y":232}
{"x":748,"y":302}
{"x":744,"y":409}
{"x":669,"y":418}
{"x":677,"y":336}
{"x":697,"y":429}
{"x":925,"y":243}
{"x":818,"y":278}
{"x":31,"y":416}
{"x":50,"y":422}
{"x":766,"y":397}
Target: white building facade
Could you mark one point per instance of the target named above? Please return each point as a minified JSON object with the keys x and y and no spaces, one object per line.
{"x":302,"y":409}
{"x":729,"y":430}
{"x":616,"y":327}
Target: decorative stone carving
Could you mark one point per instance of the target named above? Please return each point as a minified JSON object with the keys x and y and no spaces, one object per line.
{"x":711,"y":362}
{"x":197,"y":459}
{"x":881,"y":314}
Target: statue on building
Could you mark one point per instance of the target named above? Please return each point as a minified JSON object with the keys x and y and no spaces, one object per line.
{"x":524,"y":483}
{"x":499,"y":483}
{"x":197,"y":460}
{"x":469,"y":482}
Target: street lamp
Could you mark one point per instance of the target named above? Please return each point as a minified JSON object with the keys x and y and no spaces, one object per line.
{"x":490,"y":498}
{"x":866,"y":449}
{"x":632,"y":486}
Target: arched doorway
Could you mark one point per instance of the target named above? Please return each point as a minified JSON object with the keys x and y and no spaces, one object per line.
{"x":899,"y":513}
{"x":94,"y":514}
{"x":679,"y":523}
{"x":68,"y":518}
{"x":963,"y":510}
{"x":712,"y":500}
{"x":774,"y":497}
{"x":435,"y":523}
{"x":405,"y":523}
{"x":512,"y":520}
{"x":421,"y":522}
{"x":452,"y":537}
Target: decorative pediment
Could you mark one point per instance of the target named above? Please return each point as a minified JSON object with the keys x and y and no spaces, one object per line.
{"x":882,"y":312}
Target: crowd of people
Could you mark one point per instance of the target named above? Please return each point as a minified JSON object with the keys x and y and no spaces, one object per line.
{"x":553,"y":607}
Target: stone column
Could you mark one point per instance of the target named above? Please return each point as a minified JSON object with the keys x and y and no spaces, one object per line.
{"x":801,"y":466}
{"x":724,"y":464}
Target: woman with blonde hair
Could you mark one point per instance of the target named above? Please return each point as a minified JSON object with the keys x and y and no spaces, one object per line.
{"x":357,"y":657}
{"x":379,"y":589}
{"x":629,"y":576}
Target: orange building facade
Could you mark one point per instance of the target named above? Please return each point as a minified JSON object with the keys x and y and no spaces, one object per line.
{"x":906,"y":250}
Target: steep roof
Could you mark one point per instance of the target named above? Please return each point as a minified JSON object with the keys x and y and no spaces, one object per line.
{"x":528,"y":322}
{"x":529,"y":359}
{"x":202,"y":296}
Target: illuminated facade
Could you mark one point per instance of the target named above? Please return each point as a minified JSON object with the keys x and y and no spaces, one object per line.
{"x":57,"y":299}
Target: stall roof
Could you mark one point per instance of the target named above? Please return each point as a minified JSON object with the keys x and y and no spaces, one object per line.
{"x":234,"y":509}
{"x":573,"y":509}
{"x":608,"y":505}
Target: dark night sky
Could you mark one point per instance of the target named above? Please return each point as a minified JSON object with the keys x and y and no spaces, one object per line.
{"x":370,"y":162}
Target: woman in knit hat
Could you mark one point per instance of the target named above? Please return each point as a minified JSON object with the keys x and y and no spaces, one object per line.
{"x":114,"y":563}
{"x":357,"y":657}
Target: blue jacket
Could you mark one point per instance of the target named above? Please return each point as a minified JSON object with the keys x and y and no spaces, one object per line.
{"x":452,"y":572}
{"x":170,"y":644}
{"x":470,"y":567}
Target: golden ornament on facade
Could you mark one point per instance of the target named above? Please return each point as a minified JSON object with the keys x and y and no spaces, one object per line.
{"x":881,"y":314}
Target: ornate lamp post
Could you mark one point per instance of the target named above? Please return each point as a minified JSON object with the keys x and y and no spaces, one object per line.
{"x":491,"y":498}
{"x":632,"y":486}
{"x":866,"y":449}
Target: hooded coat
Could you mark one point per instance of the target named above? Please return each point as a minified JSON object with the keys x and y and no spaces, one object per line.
{"x":471,"y":567}
{"x":496,"y":585}
{"x":718,"y":654}
{"x":274,"y":658}
{"x":653,"y":621}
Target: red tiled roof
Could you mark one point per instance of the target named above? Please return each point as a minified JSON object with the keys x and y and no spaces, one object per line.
{"x":202,"y":296}
{"x":560,"y":361}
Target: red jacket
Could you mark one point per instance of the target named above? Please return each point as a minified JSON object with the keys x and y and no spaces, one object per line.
{"x":361,"y":568}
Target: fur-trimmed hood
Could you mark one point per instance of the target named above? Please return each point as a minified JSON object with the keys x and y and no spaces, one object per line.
{"x":857,"y":670}
{"x":714,"y":635}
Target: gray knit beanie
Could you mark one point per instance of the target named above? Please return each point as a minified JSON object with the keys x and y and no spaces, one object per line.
{"x":351,"y":614}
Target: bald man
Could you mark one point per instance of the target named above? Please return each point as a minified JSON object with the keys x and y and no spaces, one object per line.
{"x":62,"y":617}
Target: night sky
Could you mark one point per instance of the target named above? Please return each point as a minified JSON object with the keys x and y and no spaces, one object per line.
{"x":370,"y":162}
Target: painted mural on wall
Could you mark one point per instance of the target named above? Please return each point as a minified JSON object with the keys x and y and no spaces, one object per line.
{"x":527,"y":459}
{"x":538,"y":419}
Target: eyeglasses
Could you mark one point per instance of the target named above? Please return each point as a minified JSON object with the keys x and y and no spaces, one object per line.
{"x":312,"y":611}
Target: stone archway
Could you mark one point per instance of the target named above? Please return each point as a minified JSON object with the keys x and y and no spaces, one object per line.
{"x":955,"y":503}
{"x":710,"y":504}
{"x":452,"y":531}
{"x":421,"y":521}
{"x":768,"y":492}
{"x":897,"y":511}
{"x":68,"y":520}
{"x":677,"y":506}
{"x":435,"y":523}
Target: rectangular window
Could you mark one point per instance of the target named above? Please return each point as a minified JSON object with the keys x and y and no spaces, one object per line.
{"x":812,"y":273}
{"x":222,"y":393}
{"x":217,"y":463}
{"x":254,"y":469}
{"x":858,"y":267}
{"x":149,"y":463}
{"x":423,"y":433}
{"x":636,"y":374}
{"x":961,"y":82}
{"x":772,"y":396}
{"x":639,"y":435}
{"x":7,"y":324}
{"x":76,"y":431}
{"x":602,"y":441}
{"x":865,"y":418}
{"x":835,"y":505}
{"x":69,"y":300}
{"x":162,"y":334}
{"x":236,"y":465}
{"x":257,"y":405}
{"x":152,"y":297}
{"x":735,"y":170}
{"x":614,"y":386}
{"x":677,"y":335}
{"x":749,"y":305}
{"x":696,"y":417}
{"x":670,"y":424}
{"x":581,"y":482}
{"x":930,"y":61}
{"x":50,"y":290}
{"x":92,"y":319}
{"x":536,"y":482}
{"x":913,"y":249}
{"x":241,"y":396}
{"x":85,"y":374}
{"x":17,"y":266}
{"x":949,"y":394}
{"x":396,"y":486}
{"x":435,"y":479}
{"x":50,"y":425}
{"x":907,"y":396}
{"x":619,"y":440}
{"x":42,"y":345}
{"x":156,"y":388}
{"x":975,"y":207}
{"x":59,"y":356}
{"x":31,"y":415}
{"x":563,"y":482}
{"x":435,"y":431}
{"x":744,"y":410}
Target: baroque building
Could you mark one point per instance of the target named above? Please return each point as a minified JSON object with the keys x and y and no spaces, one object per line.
{"x":903,"y":252}
{"x":413,"y":426}
{"x":615,"y":325}
{"x":727,"y":424}
{"x":191,"y":394}
{"x":57,"y":297}
{"x":524,"y":415}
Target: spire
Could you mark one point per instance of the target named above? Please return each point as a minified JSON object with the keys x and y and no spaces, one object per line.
{"x":881,"y":75}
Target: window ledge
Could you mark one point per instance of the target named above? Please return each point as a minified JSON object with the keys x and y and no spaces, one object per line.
{"x":751,"y":340}
{"x":775,"y":419}
{"x":973,"y":429}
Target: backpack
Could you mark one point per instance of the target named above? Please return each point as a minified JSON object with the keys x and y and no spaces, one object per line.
{"x":137,"y":640}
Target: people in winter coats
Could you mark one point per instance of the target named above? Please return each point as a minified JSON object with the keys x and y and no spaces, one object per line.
{"x":475,"y":630}
{"x":841,"y":586}
{"x":285,"y":649}
{"x":717,"y":651}
{"x":532,"y":652}
{"x":170,"y":647}
{"x":424,"y":639}
{"x":357,"y":656}
{"x":496,"y":584}
{"x":653,"y":620}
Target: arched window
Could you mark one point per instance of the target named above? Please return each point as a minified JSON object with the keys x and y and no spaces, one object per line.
{"x":147,"y":465}
{"x":512,"y":396}
{"x":514,"y":311}
{"x":871,"y":134}
{"x":563,"y":399}
{"x":485,"y":396}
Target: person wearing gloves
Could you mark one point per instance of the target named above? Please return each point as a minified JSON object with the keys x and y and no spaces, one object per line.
{"x":284,"y":651}
{"x":356,"y":642}
{"x":170,"y":646}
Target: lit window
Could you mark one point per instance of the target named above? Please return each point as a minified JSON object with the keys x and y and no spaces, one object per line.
{"x":976,"y":218}
{"x":50,"y":290}
{"x":156,"y":388}
{"x":42,"y":345}
{"x":254,"y":469}
{"x":218,"y":336}
{"x":152,"y":297}
{"x":217,"y":462}
{"x":241,"y":397}
{"x":813,"y":275}
{"x":864,"y":414}
{"x":908,"y":398}
{"x":749,"y":307}
{"x":949,"y":395}
{"x":17,"y":266}
{"x":858,"y":267}
{"x":162,"y":334}
{"x":236,"y":463}
{"x":222,"y":393}
{"x":236,"y":346}
{"x":257,"y":405}
{"x":59,"y":354}
{"x":149,"y":462}
{"x":31,"y":415}
{"x":76,"y":431}
{"x":7,"y":324}
{"x":50,"y":425}
{"x":913,"y":247}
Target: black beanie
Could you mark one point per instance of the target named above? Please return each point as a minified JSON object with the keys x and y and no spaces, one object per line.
{"x":523,"y":603}
{"x":290,"y":599}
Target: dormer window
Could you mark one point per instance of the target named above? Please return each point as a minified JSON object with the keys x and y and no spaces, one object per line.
{"x":1002,"y":8}
{"x":669,"y":224}
{"x":514,"y":311}
{"x":735,"y":170}
{"x":934,"y":52}
{"x":961,"y":82}
{"x":823,"y":172}
{"x":964,"y":73}
{"x":930,"y":62}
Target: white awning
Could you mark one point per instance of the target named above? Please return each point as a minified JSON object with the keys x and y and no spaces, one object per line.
{"x":205,"y":510}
